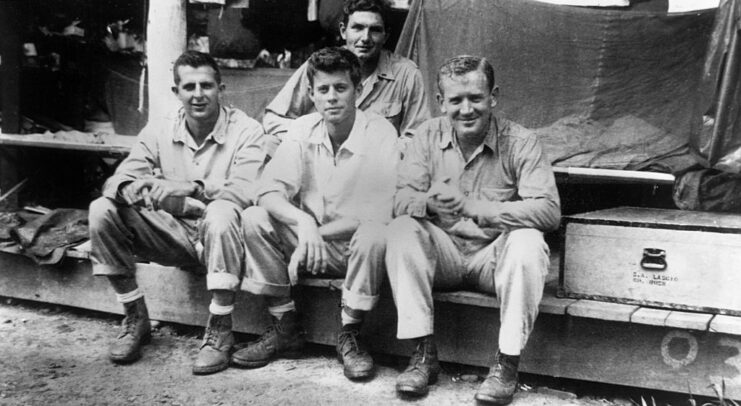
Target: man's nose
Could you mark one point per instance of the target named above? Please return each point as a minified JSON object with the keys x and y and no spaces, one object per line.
{"x":332,"y":94}
{"x":466,"y":107}
{"x":365,"y":35}
{"x":198,"y":91}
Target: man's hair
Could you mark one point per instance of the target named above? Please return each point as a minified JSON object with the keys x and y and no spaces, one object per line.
{"x":462,"y":64}
{"x":331,"y":60}
{"x":381,"y":7}
{"x":195,"y":59}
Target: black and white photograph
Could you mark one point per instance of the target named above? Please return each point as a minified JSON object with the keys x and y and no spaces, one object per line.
{"x":370,"y":202}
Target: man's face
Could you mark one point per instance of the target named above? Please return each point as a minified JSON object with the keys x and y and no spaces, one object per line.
{"x":364,"y":35}
{"x":467,"y":102}
{"x":199,"y":92}
{"x":333,"y":94}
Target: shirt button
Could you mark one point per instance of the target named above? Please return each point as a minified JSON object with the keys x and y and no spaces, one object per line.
{"x":465,"y":193}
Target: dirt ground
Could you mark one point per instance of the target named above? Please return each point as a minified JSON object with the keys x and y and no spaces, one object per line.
{"x":57,"y":356}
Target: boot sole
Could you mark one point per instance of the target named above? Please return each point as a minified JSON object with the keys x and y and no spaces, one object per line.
{"x":261,"y":363}
{"x":359,"y":375}
{"x":415,"y":391}
{"x":492,"y":400}
{"x":133,"y":357}
{"x":211,"y":369}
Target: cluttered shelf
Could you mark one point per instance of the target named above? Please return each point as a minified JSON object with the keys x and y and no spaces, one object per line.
{"x":72,"y":140}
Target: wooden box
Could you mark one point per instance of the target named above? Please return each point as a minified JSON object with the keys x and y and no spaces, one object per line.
{"x":654,"y":257}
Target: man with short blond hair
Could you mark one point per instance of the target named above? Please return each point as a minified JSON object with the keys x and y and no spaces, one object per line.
{"x":474,"y":196}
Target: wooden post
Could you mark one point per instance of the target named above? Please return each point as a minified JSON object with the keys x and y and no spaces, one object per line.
{"x":166,"y":40}
{"x":11,"y":14}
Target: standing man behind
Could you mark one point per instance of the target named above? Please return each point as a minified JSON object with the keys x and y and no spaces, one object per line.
{"x":474,"y":196}
{"x":176,"y":200}
{"x":324,"y":201}
{"x":392,"y":85}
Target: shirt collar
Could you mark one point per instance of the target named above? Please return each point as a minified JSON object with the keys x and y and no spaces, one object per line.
{"x":353,"y":143}
{"x":446,"y":138}
{"x":218,"y":134}
{"x":383,"y":69}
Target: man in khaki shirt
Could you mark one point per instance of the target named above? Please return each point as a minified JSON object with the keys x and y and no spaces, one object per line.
{"x":474,"y":196}
{"x":323,"y":203}
{"x":176,"y":200}
{"x":392,"y":86}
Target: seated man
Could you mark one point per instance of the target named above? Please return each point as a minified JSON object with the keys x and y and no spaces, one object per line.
{"x":324,"y":200}
{"x":475,"y":194}
{"x":176,"y":200}
{"x":392,"y":85}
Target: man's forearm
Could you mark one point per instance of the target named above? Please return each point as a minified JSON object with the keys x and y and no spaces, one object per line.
{"x":340,"y":229}
{"x":282,"y":210}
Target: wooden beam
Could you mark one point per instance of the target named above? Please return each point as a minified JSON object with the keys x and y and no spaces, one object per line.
{"x":166,"y":40}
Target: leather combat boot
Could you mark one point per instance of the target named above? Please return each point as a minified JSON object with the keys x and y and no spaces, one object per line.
{"x":135,"y":331}
{"x":422,"y":370}
{"x":217,"y":344}
{"x":499,"y":386}
{"x":284,"y":339}
{"x":353,"y":354}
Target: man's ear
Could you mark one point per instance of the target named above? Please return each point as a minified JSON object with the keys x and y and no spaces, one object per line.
{"x":310,"y":92}
{"x":222,"y":86}
{"x":440,"y":99}
{"x":494,"y":96}
{"x":343,"y":30}
{"x":174,"y":90}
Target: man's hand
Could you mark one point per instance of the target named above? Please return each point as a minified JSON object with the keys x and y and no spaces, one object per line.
{"x":444,"y":199}
{"x":311,"y":250}
{"x":152,"y":192}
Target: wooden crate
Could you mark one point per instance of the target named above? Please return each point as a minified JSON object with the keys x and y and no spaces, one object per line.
{"x":654,"y":257}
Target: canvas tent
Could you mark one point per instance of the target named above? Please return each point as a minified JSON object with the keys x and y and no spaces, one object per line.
{"x":607,"y":88}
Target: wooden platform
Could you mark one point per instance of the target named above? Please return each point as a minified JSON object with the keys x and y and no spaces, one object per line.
{"x":579,"y":339}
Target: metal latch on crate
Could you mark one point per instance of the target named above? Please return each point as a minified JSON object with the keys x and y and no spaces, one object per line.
{"x":654,"y":259}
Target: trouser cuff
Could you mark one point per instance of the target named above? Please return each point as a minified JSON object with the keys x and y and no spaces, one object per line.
{"x":112,"y":270}
{"x":265,"y":289}
{"x":408,"y":328}
{"x":221,"y":281}
{"x":358,"y":301}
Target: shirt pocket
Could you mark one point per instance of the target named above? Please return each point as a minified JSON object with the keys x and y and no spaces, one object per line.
{"x":496,"y":194}
{"x":392,"y":113}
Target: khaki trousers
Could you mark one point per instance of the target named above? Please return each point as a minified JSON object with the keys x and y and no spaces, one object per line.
{"x":421,"y":257}
{"x":120,"y":232}
{"x":271,"y":243}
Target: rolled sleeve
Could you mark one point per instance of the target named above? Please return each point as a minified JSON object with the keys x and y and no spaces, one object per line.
{"x":539,"y":206}
{"x":140,"y":163}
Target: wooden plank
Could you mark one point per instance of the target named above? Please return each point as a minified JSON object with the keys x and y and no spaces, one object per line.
{"x":725,"y":324}
{"x":467,"y":298}
{"x":570,"y":347}
{"x":601,"y":310}
{"x":650,"y":316}
{"x":613,"y":175}
{"x":108,"y":143}
{"x":550,"y":304}
{"x":689,"y":321}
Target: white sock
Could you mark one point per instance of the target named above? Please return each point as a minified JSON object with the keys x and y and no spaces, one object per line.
{"x":129,"y":297}
{"x":220,"y":310}
{"x":280,"y":310}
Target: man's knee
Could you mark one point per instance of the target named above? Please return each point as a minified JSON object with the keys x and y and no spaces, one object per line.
{"x":527,"y":248}
{"x":401,"y":230}
{"x":255,"y":220}
{"x":101,"y":210}
{"x":370,"y":237}
{"x":221,"y":216}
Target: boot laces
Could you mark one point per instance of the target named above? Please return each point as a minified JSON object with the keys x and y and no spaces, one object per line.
{"x":420,"y":355}
{"x":129,"y":325}
{"x":350,"y":339}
